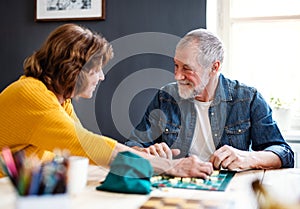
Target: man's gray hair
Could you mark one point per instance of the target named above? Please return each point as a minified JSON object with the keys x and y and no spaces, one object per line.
{"x":209,"y":45}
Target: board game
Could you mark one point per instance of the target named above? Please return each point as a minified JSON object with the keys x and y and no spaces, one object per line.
{"x":218,"y":181}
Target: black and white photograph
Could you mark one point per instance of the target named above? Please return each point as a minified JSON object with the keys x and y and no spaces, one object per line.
{"x":59,"y":10}
{"x":54,"y":5}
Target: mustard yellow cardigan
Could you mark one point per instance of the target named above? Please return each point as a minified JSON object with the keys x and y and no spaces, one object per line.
{"x":31,"y":118}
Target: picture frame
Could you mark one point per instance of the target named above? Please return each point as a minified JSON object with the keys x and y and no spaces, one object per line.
{"x":68,"y":10}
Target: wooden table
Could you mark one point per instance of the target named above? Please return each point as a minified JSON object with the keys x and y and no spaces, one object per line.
{"x":239,"y":191}
{"x":283,"y":184}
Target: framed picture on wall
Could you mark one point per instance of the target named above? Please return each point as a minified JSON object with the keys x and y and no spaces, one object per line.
{"x":63,"y":10}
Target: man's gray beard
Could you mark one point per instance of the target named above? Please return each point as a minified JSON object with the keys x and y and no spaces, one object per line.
{"x":187,"y":93}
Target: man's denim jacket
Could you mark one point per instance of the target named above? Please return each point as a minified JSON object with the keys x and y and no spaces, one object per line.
{"x":239,"y":117}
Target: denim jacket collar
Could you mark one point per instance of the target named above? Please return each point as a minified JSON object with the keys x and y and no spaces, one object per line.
{"x":223,"y":92}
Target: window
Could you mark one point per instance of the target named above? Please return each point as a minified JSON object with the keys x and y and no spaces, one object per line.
{"x":262,"y":46}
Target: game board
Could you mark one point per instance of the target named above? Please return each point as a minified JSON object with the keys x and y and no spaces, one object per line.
{"x":218,"y":181}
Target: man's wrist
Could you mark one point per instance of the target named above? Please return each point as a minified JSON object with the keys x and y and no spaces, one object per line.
{"x":255,"y":161}
{"x":163,"y":165}
{"x":264,"y":160}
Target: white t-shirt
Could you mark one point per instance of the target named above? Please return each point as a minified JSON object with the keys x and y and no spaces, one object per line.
{"x":202,"y":145}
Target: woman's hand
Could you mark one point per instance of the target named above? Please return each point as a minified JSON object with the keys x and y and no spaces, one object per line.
{"x":159,"y":150}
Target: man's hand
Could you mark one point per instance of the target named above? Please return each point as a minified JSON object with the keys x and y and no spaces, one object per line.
{"x":231,"y":158}
{"x":159,"y":150}
{"x":183,"y":167}
{"x":191,"y":167}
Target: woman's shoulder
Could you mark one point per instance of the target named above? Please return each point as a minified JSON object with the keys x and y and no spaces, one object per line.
{"x":30,"y":90}
{"x":24,"y":84}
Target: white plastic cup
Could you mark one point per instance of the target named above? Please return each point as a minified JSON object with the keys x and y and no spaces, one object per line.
{"x":77,"y":174}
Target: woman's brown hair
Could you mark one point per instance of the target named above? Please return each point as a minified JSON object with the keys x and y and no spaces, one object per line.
{"x":69,"y":50}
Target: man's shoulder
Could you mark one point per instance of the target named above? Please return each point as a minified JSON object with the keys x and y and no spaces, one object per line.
{"x":236,"y":85}
{"x":230,"y":89}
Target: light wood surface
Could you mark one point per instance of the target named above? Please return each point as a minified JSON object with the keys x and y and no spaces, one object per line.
{"x":239,"y":191}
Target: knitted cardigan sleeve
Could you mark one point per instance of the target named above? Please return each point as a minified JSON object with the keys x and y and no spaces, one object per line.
{"x":32,"y":119}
